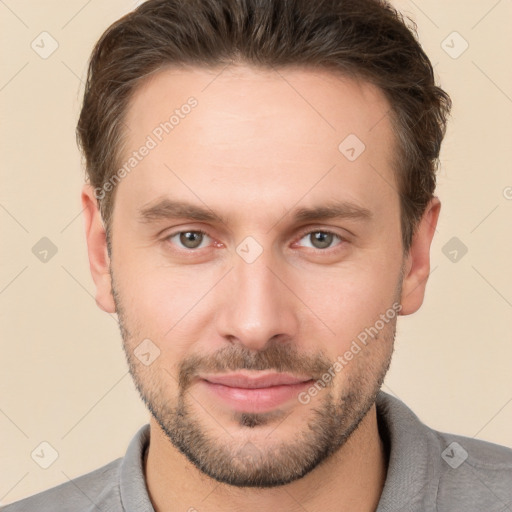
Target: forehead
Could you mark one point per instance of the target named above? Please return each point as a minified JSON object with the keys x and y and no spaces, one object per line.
{"x":252,"y":130}
{"x":328,"y":104}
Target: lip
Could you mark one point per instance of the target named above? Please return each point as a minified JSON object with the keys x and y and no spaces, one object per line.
{"x":255,"y":380}
{"x":258,"y":392}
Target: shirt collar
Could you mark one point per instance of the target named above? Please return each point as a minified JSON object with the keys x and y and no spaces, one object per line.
{"x":413,"y":473}
{"x":132,"y":484}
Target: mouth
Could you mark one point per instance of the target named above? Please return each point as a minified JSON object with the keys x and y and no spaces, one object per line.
{"x":255,"y":391}
{"x":255,"y":380}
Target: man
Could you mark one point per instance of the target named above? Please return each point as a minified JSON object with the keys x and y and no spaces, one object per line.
{"x":259,"y":210}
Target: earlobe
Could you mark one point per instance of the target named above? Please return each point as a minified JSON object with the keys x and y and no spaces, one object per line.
{"x":417,"y":262}
{"x":99,"y":261}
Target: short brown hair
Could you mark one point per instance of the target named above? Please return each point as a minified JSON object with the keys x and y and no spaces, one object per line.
{"x":362,"y":38}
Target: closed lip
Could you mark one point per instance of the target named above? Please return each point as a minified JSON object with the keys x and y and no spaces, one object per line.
{"x":255,"y":380}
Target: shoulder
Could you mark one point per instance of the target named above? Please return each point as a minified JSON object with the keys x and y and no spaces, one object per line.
{"x":97,"y":489}
{"x":474,"y":475}
{"x":433,"y":470}
{"x":106,"y":488}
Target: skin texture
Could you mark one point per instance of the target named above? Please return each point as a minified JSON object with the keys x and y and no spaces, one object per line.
{"x":259,"y":145}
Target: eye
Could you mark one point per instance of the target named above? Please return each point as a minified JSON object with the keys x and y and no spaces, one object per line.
{"x":321,"y":239}
{"x":188,"y":239}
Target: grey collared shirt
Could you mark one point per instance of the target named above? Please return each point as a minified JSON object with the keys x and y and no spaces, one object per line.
{"x":427,"y":471}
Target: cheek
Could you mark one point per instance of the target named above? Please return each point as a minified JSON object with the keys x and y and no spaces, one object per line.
{"x":164,"y":303}
{"x":348,"y":300}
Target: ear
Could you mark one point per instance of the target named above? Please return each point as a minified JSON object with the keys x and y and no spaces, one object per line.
{"x":417,"y":261}
{"x":99,"y":261}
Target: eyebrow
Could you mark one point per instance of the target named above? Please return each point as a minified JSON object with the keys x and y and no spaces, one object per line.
{"x":167,"y":209}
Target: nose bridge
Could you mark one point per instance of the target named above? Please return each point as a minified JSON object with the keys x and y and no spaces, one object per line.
{"x":256,"y":306}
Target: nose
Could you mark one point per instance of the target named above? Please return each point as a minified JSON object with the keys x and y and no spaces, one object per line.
{"x":257,"y":304}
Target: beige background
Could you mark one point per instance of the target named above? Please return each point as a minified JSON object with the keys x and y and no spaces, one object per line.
{"x":63,"y":377}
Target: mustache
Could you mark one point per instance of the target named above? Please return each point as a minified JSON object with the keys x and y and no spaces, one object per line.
{"x":279,"y":356}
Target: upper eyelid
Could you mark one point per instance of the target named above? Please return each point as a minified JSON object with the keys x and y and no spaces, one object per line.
{"x":174,"y":233}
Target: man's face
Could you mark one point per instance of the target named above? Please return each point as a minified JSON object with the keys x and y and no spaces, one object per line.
{"x":263,"y":291}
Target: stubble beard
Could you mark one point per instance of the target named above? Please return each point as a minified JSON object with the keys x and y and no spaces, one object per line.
{"x":237,"y":460}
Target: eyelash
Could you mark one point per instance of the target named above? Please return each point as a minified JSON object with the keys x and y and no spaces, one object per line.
{"x":301,"y":236}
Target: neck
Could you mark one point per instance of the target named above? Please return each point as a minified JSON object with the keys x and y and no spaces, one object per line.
{"x":351,"y":479}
